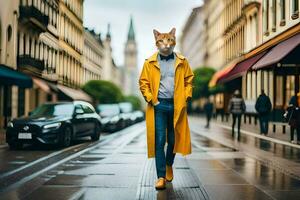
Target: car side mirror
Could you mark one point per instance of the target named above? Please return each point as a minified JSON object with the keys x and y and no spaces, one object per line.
{"x":78,"y":111}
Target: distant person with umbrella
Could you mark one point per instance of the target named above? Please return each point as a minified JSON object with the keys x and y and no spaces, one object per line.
{"x":263,"y":106}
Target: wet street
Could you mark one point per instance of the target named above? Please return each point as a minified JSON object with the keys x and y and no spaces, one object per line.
{"x":116,"y":167}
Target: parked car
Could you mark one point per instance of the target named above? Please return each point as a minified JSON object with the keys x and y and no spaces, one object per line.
{"x":110,"y":117}
{"x":55,"y":123}
{"x":126,"y":113}
{"x":139,"y":116}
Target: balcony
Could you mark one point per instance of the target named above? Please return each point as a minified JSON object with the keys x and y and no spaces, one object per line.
{"x":34,"y":18}
{"x":31,"y":65}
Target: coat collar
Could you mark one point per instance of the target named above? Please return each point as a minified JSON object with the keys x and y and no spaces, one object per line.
{"x":178,"y":59}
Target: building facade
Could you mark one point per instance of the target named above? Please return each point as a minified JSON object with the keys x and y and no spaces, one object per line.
{"x":37,"y":50}
{"x":280,"y":23}
{"x":9,"y":12}
{"x":45,"y":55}
{"x":213,"y":9}
{"x":71,"y":42}
{"x":93,"y":56}
{"x":192,"y":42}
{"x":253,"y":45}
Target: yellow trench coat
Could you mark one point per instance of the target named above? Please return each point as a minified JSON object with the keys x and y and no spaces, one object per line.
{"x":149,"y":84}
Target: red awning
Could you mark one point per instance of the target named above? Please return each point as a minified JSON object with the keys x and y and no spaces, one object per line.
{"x":219,"y":74}
{"x":278,"y":52}
{"x":241,"y":68}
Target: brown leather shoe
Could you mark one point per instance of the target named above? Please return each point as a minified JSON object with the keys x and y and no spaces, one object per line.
{"x":160,"y":184}
{"x":169,"y":173}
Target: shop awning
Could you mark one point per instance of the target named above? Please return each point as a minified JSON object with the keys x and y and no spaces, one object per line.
{"x":278,"y":52}
{"x":219,"y":74}
{"x":9,"y":76}
{"x":74,"y":94}
{"x":42,"y":84}
{"x":241,"y":68}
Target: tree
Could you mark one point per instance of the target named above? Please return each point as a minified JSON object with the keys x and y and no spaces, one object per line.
{"x":134,"y":100}
{"x":103,"y":91}
{"x":201,"y":80}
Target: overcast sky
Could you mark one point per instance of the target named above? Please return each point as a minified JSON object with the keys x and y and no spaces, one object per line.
{"x":147,"y":15}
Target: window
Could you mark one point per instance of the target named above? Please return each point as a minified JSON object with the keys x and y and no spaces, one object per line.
{"x":21,"y":102}
{"x":274,"y":15}
{"x":279,"y":91}
{"x":266,"y":17}
{"x":290,"y":88}
{"x":87,"y":109}
{"x":282,"y":11}
{"x":295,"y":9}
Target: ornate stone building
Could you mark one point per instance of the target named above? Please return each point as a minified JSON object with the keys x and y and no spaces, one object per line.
{"x":37,"y":50}
{"x":71,"y":42}
{"x":10,"y":79}
{"x":192,"y":43}
{"x":41,"y":54}
{"x":93,"y":56}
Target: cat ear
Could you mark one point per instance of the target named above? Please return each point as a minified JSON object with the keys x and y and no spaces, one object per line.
{"x":172,"y":32}
{"x":156,"y":33}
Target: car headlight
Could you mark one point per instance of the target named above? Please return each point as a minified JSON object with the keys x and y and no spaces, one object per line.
{"x":10,"y":125}
{"x":54,"y":125}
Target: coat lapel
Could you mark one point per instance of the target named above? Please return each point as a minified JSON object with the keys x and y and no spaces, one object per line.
{"x":153,"y":60}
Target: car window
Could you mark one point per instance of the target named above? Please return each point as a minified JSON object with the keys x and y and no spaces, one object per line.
{"x":53,"y":110}
{"x":87,"y":109}
{"x":108,"y":110}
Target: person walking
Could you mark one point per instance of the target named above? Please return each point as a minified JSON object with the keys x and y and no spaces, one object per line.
{"x":236,"y":107}
{"x":292,"y":115}
{"x":166,"y":85}
{"x":263,"y":106}
{"x":208,"y":109}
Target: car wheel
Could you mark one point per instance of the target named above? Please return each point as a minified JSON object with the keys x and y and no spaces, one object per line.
{"x":96,"y":134}
{"x":15,"y":145}
{"x":66,"y":137}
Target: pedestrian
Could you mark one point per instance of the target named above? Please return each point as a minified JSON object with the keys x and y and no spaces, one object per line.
{"x":166,"y":84}
{"x":208,"y":109}
{"x":237,"y":107}
{"x":292,"y":115}
{"x":263,"y":106}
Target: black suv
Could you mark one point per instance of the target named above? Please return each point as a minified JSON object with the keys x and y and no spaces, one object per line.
{"x":55,"y":123}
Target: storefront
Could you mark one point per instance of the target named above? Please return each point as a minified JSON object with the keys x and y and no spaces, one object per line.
{"x":10,"y":81}
{"x":275,"y":69}
{"x":281,"y":64}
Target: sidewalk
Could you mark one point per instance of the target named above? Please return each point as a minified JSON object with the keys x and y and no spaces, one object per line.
{"x":273,"y":152}
{"x":254,"y":128}
{"x":3,"y":143}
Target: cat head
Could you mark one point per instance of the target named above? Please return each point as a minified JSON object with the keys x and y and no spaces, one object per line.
{"x":165,"y":42}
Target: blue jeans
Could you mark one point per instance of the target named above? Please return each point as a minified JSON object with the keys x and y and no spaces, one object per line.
{"x":264,"y":123}
{"x":164,"y":124}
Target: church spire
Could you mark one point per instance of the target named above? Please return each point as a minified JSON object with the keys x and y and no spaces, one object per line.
{"x":108,"y":35}
{"x":131,"y":35}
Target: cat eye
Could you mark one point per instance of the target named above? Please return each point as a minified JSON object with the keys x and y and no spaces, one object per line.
{"x":160,"y":41}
